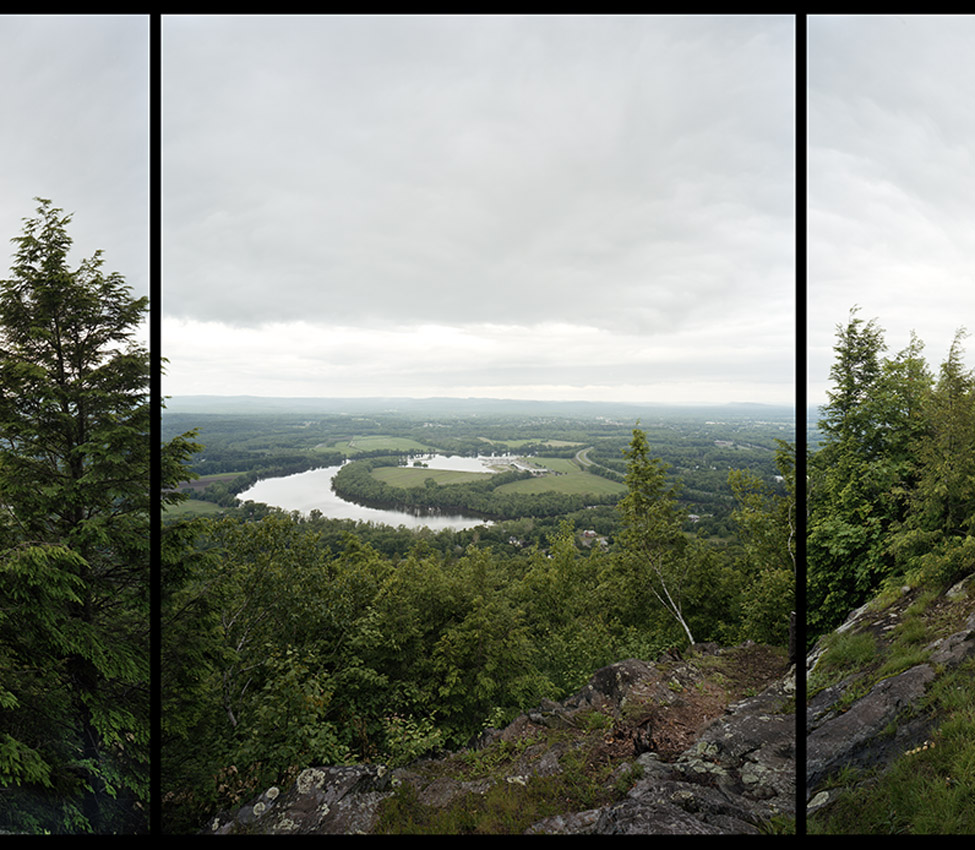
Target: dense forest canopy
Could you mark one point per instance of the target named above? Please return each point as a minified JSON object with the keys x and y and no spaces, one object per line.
{"x":891,"y":494}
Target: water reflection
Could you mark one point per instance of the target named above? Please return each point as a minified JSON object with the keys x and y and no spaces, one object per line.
{"x":312,"y":490}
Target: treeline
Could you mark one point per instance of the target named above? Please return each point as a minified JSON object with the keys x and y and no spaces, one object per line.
{"x":284,"y":647}
{"x":506,"y":538}
{"x":355,"y":483}
{"x":700,"y":466}
{"x":892,"y":488}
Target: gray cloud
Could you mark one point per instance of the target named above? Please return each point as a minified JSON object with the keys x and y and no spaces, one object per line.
{"x":891,"y":180}
{"x":629,"y":176}
{"x":369,"y":167}
{"x":75,"y":104}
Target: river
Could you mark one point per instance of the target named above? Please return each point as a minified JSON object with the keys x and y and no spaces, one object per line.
{"x":312,"y":490}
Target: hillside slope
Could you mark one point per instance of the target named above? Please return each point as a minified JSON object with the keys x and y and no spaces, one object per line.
{"x":700,"y":744}
{"x":891,"y":716}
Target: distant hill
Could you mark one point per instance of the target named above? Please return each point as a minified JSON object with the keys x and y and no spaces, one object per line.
{"x":466,"y":407}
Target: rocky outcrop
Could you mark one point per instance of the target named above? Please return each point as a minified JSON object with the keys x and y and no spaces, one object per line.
{"x":703,"y":744}
{"x":869,"y":716}
{"x":737,"y":777}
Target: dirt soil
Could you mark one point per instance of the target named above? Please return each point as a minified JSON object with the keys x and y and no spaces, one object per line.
{"x":742,"y":671}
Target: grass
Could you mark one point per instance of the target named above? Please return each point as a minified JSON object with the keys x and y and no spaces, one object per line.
{"x":194,"y":507}
{"x":926,"y":791}
{"x":201,"y":482}
{"x":905,"y":650}
{"x":901,"y":658}
{"x":845,"y":652}
{"x":779,"y":825}
{"x":929,"y":789}
{"x":573,"y":483}
{"x":557,"y":464}
{"x":378,"y":442}
{"x":411,"y":476}
{"x":510,"y":805}
{"x":922,"y":602}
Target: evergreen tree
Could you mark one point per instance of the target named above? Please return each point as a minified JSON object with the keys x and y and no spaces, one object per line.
{"x":862,"y":478}
{"x":846,"y":526}
{"x":936,"y":540}
{"x":848,"y":417}
{"x":946,"y":489}
{"x":74,"y":541}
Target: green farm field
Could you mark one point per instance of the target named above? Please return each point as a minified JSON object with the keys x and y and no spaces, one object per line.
{"x":378,"y":442}
{"x":410,"y":476}
{"x":572,"y":483}
{"x":556,"y":464}
{"x":204,"y":481}
{"x":194,"y":507}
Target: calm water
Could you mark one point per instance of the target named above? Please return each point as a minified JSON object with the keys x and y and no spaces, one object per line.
{"x":307,"y":491}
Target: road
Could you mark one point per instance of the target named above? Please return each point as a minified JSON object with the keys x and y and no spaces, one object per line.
{"x":582,"y":458}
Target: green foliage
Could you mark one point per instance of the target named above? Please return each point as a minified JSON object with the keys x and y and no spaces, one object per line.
{"x":865,"y":478}
{"x":408,"y":738}
{"x":935,"y":543}
{"x":848,"y":650}
{"x":652,"y":540}
{"x":765,"y":610}
{"x":892,"y":491}
{"x":289,"y":723}
{"x":509,"y":806}
{"x":845,"y":652}
{"x":74,"y":541}
{"x":767,"y":526}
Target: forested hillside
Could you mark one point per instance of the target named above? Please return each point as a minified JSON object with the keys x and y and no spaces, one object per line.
{"x":74,"y":543}
{"x":891,"y":557}
{"x":892,"y":487}
{"x":285,"y":646}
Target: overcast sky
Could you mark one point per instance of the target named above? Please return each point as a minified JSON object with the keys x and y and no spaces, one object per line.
{"x":518,"y":207}
{"x":74,"y":128}
{"x":891,"y":182}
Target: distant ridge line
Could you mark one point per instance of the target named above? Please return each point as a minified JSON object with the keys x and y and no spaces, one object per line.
{"x":445,"y":404}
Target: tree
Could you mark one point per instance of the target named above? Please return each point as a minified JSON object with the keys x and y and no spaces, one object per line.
{"x":74,"y":488}
{"x":946,"y":488}
{"x":766,"y":522}
{"x":855,"y":372}
{"x":847,"y":482}
{"x":936,"y":539}
{"x":652,"y":539}
{"x":862,"y":477}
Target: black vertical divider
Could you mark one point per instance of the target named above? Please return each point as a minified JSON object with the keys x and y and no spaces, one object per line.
{"x":801,"y":416}
{"x":155,"y":389}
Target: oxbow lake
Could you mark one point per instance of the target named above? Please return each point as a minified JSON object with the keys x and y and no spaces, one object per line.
{"x":312,"y":490}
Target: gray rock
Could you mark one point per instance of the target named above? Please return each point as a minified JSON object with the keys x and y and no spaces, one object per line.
{"x":848,"y":730}
{"x":847,"y":738}
{"x":322,"y":801}
{"x":740,"y":772}
{"x":956,"y":647}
